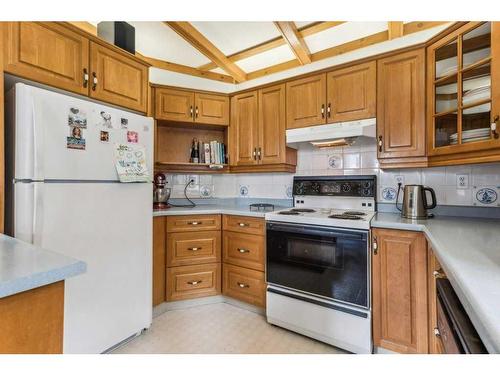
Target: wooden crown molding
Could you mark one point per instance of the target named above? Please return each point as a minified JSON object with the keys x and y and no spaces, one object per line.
{"x":202,"y":44}
{"x":307,"y":30}
{"x":295,"y":41}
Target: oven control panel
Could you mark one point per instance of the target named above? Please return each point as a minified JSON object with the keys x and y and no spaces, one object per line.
{"x":342,"y":186}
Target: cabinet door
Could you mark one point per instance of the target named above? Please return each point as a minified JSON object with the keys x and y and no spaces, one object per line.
{"x":47,"y":52}
{"x":211,"y":109}
{"x":351,"y":93}
{"x":400,"y":291}
{"x":119,"y":79}
{"x":305,"y":102}
{"x":159,"y":262}
{"x":434,"y":272}
{"x":174,"y":105}
{"x":244,"y":128}
{"x":401,"y":105}
{"x":272,"y":138}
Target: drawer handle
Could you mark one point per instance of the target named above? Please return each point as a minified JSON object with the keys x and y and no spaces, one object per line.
{"x":194,"y":222}
{"x":85,"y":77}
{"x":241,"y":285}
{"x":194,"y":248}
{"x":243,"y":224}
{"x":194,"y":282}
{"x":243,"y":250}
{"x":94,"y":81}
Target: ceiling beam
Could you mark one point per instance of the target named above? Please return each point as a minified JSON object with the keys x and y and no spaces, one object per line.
{"x":380,"y":37}
{"x":202,"y":44}
{"x":395,"y":29}
{"x":304,"y":31}
{"x":295,"y":41}
{"x":184,"y":69}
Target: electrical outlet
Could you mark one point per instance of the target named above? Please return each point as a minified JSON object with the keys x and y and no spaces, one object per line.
{"x":194,"y":178}
{"x":400,"y":179}
{"x":462,"y":181}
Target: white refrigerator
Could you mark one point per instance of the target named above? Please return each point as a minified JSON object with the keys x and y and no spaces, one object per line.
{"x":63,"y":194}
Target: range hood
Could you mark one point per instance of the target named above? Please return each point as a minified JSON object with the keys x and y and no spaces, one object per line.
{"x":330,"y":135}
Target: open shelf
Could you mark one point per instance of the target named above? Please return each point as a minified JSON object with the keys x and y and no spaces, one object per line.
{"x":173,"y":167}
{"x":173,"y":147}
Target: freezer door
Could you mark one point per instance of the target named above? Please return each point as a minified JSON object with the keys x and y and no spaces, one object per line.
{"x":60,"y":137}
{"x":108,"y":226}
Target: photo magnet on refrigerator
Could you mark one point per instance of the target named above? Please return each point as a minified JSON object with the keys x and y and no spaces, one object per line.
{"x":75,"y":140}
{"x":77,"y":118}
{"x":105,"y":120}
{"x":124,"y":123}
{"x":132,"y":137}
{"x":104,"y":136}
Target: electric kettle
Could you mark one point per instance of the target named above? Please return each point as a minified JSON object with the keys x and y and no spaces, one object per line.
{"x":415,"y":204}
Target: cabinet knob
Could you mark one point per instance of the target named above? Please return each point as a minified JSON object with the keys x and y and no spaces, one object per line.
{"x":194,"y":223}
{"x":242,"y":285}
{"x":85,"y":77}
{"x":255,"y":153}
{"x":380,"y":143}
{"x":439,"y":274}
{"x":243,"y":224}
{"x":375,"y":246}
{"x":196,"y":112}
{"x":194,"y":248}
{"x":194,"y":282}
{"x":259,"y":153}
{"x":436,"y":332}
{"x":94,"y":81}
{"x":329,"y":110}
{"x":191,"y":113}
{"x":494,"y":127}
{"x":322,"y":111}
{"x":243,"y":250}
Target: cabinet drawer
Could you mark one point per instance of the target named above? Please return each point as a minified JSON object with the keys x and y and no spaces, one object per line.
{"x":245,"y":250}
{"x":245,"y":224}
{"x":244,"y":284}
{"x":193,"y":281}
{"x":193,"y":248}
{"x":189,"y":223}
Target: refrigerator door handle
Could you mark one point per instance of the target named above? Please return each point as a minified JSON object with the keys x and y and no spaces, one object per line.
{"x":37,"y":213}
{"x":37,"y":143}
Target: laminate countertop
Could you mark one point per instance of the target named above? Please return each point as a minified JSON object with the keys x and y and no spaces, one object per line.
{"x":468,"y":249}
{"x":24,"y":266}
{"x":214,"y":209}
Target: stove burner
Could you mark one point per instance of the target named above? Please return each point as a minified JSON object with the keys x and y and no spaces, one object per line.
{"x":302,"y":210}
{"x":288,"y":213}
{"x":345,"y":217}
{"x":355,"y":213}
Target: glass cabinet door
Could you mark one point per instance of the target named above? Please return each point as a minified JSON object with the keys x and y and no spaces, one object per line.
{"x":462,"y":88}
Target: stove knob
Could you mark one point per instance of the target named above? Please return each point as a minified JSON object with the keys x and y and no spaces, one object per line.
{"x":367,"y":184}
{"x":367,"y":192}
{"x":299,"y":189}
{"x":346,"y":188}
{"x":315,"y":187}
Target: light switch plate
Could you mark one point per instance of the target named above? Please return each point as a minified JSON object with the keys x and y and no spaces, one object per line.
{"x":462,"y":181}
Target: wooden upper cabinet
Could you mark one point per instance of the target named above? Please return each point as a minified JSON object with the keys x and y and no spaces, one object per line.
{"x":211,"y":109}
{"x":401,"y":105}
{"x":244,"y":128}
{"x":351,"y":93}
{"x":272,"y":138}
{"x":174,"y":105}
{"x":400,"y":316}
{"x":306,"y":102}
{"x":118,"y":79}
{"x":48,"y":53}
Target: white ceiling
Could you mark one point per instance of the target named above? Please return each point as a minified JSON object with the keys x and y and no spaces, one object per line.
{"x":156,"y":39}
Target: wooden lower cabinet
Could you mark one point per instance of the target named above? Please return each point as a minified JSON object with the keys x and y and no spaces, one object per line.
{"x":159,"y":264}
{"x":400,"y":294}
{"x":245,"y":250}
{"x":32,"y":322}
{"x":191,"y":223}
{"x":434,"y":272}
{"x":187,"y":282}
{"x":244,"y":284}
{"x":244,"y":224}
{"x":193,"y":248}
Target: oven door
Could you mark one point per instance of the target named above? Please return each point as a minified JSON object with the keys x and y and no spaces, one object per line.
{"x":324,"y":261}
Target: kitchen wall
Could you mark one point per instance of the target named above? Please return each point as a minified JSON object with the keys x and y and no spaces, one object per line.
{"x":469,"y":185}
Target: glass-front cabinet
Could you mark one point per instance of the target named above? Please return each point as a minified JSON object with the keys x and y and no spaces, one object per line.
{"x":463,"y":90}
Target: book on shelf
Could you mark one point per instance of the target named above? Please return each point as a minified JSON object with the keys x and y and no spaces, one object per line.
{"x":212,"y":152}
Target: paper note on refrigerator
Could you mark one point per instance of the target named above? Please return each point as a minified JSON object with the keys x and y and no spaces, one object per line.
{"x":131,"y":163}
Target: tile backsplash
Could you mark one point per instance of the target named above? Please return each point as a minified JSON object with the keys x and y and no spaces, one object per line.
{"x":468,"y":185}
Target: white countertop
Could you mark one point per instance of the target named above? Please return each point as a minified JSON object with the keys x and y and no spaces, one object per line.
{"x":24,"y":266}
{"x":468,"y":249}
{"x":207,"y":209}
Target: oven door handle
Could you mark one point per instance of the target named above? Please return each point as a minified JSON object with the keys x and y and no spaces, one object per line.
{"x":300,"y":229}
